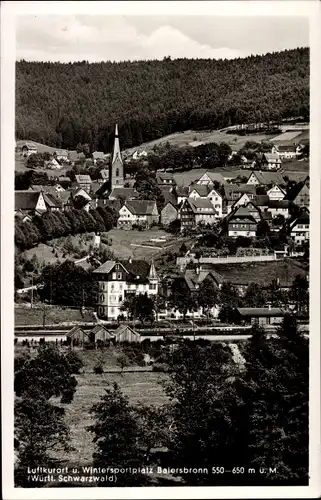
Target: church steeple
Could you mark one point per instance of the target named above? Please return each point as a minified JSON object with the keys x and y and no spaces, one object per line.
{"x":116,"y":154}
{"x":117,"y":167}
{"x":152,"y":272}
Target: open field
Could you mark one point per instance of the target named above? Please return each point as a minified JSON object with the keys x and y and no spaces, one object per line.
{"x":122,"y":239}
{"x":194,"y":138}
{"x":139,"y":387}
{"x":54,"y":316}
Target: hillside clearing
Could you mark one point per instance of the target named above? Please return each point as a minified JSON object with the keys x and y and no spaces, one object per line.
{"x":24,"y":316}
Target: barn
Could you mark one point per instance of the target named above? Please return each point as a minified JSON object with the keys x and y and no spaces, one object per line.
{"x":125,"y":333}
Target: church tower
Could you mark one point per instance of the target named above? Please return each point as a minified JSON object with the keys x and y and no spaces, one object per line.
{"x":117,"y":167}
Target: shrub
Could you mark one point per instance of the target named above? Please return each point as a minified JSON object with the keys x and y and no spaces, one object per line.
{"x":160,"y":367}
{"x":98,"y":369}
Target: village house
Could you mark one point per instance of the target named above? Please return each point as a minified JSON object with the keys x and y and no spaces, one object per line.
{"x":165,"y":179}
{"x":287,"y":151}
{"x":301,"y":196}
{"x":81,"y":199}
{"x":206,"y":191}
{"x":122,"y":193}
{"x":258,"y":178}
{"x":210,"y":178}
{"x":30,"y":202}
{"x":276,"y":193}
{"x":61,"y":155}
{"x":103,"y":176}
{"x":196,"y":211}
{"x":119,"y":280}
{"x":279,"y":207}
{"x":271,"y":161}
{"x":83,"y":181}
{"x":52,"y":164}
{"x":182,"y":193}
{"x":28,"y":148}
{"x":300,"y":229}
{"x":240,"y":222}
{"x":98,"y":155}
{"x":139,"y":212}
{"x":235,"y":192}
{"x":169,"y":213}
{"x":262,"y":316}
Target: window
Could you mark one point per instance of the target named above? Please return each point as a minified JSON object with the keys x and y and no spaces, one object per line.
{"x":120,"y":298}
{"x":117,"y":172}
{"x":102,"y":298}
{"x":152,"y":286}
{"x":112,"y":310}
{"x":114,"y":276}
{"x":119,"y":276}
{"x":112,"y":287}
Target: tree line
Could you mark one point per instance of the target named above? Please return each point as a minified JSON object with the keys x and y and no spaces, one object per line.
{"x":243,"y":417}
{"x":67,"y":104}
{"x":51,"y":225}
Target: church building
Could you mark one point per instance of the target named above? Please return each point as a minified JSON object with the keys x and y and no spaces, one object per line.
{"x":117,"y":167}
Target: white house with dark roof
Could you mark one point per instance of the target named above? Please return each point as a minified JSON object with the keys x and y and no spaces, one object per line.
{"x":196,"y":211}
{"x":30,"y":202}
{"x":300,"y":229}
{"x":83,"y":181}
{"x":210,"y":178}
{"x":207,"y":191}
{"x":165,"y":179}
{"x":276,"y":193}
{"x":288,"y":151}
{"x":271,"y":161}
{"x":279,"y":207}
{"x":119,"y":280}
{"x":140,"y":212}
{"x":262,"y":316}
{"x":258,"y":178}
{"x":241,"y":222}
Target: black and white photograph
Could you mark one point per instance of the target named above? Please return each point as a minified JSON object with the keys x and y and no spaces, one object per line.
{"x":162,"y":288}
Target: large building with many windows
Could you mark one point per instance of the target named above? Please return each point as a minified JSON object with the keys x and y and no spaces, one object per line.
{"x":118,"y":280}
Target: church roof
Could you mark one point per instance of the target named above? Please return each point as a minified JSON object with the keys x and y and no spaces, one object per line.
{"x":116,"y":153}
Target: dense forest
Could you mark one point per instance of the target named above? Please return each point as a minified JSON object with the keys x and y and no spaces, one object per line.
{"x":66,"y":104}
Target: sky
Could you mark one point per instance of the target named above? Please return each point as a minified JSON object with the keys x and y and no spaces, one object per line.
{"x":118,"y":38}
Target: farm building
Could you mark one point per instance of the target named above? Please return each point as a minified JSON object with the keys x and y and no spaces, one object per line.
{"x":100,"y":334}
{"x":169,"y":213}
{"x":77,"y":336}
{"x":125,"y":333}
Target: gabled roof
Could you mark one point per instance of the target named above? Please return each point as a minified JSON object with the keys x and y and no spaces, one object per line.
{"x":291,"y":148}
{"x":122,"y":328}
{"x":201,"y":204}
{"x":134,"y":268}
{"x":231,"y":189}
{"x":261,"y":200}
{"x":162,"y":176}
{"x":266,"y":178}
{"x":182,"y":191}
{"x":98,"y":329}
{"x":76,"y":329}
{"x":242,"y":212}
{"x":83,"y":178}
{"x":202,"y":189}
{"x":122,"y":192}
{"x":141,"y":207}
{"x":304,"y":218}
{"x":51,"y":200}
{"x":260,"y":311}
{"x":61,"y":152}
{"x":279,"y":204}
{"x":26,"y":200}
{"x":215,"y":177}
{"x":169,"y":197}
{"x":272,"y":157}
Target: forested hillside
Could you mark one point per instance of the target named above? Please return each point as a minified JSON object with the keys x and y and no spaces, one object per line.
{"x":66,"y":104}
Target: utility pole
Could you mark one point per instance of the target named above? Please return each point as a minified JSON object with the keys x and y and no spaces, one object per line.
{"x":31,"y":300}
